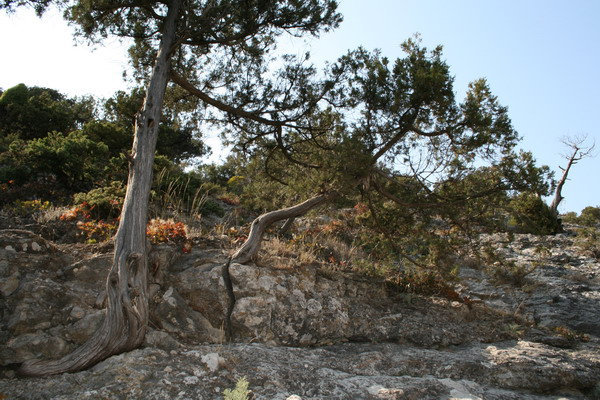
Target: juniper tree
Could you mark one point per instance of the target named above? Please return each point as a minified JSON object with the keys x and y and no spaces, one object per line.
{"x":393,"y":136}
{"x":217,"y":50}
{"x":387,"y":131}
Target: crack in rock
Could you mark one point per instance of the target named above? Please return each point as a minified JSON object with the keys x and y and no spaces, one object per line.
{"x":230,"y":299}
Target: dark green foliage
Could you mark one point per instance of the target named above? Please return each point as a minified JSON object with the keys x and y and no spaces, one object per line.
{"x":72,"y":160}
{"x":33,"y":112}
{"x":104,"y":202}
{"x":116,"y":137}
{"x":210,"y":206}
{"x":178,"y":136}
{"x":530,"y":214}
{"x":590,"y":216}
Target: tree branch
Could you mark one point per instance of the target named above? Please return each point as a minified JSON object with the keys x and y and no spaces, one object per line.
{"x":185,"y":84}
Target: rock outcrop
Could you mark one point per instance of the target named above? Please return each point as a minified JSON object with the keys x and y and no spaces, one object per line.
{"x":563,"y":289}
{"x":310,"y":333}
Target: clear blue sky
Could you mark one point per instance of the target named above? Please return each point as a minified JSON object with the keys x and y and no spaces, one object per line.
{"x":540,"y":57}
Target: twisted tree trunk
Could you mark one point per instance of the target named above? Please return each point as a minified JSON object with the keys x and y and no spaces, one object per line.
{"x":251,"y":246}
{"x":126,"y":315}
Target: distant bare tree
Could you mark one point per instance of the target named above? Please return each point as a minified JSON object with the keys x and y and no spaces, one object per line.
{"x":579,"y":150}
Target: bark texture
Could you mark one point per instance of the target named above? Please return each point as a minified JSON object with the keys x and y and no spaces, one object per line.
{"x":126,"y":315}
{"x":558,"y":193}
{"x":252,"y":245}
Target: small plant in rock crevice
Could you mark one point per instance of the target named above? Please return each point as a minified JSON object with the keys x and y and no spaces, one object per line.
{"x":588,"y":239}
{"x":570,"y":334}
{"x":240,"y":392}
{"x":503,"y":270}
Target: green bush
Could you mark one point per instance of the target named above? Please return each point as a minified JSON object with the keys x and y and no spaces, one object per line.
{"x":117,"y":138}
{"x":570,"y":217}
{"x":104,"y":202}
{"x":212,"y":207}
{"x":240,"y":392}
{"x":590,"y":216}
{"x":72,"y":160}
{"x":529,"y":214}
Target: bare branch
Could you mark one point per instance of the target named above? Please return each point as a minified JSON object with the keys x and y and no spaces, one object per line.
{"x":579,"y":151}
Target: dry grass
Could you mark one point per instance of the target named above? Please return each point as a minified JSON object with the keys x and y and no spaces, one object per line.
{"x":301,"y":251}
{"x":49,"y":215}
{"x":283,"y":254}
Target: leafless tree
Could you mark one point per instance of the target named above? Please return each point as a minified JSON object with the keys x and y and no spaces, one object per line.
{"x":579,"y":150}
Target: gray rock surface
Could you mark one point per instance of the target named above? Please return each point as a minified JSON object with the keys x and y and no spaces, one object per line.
{"x":309,"y":333}
{"x":506,"y":370}
{"x":562,"y":291}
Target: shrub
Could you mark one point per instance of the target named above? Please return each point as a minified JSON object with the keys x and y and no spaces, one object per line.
{"x":97,"y":231}
{"x":511,"y":273}
{"x":161,"y":231}
{"x":570,"y":217}
{"x":104,"y":202}
{"x":502,"y":270}
{"x":240,"y":392}
{"x":529,"y":214}
{"x":590,"y":216}
{"x":72,"y":160}
{"x":211,"y":207}
{"x":117,"y":138}
{"x":29,"y":207}
{"x":588,"y":239}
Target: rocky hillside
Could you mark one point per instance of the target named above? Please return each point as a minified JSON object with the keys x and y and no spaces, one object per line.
{"x":311,"y":333}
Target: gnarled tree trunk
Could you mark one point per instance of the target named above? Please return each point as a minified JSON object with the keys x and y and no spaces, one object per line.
{"x":126,"y":316}
{"x":252,"y":245}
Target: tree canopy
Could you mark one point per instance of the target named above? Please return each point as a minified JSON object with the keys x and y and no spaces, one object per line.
{"x":389,"y":135}
{"x":32,"y":112}
{"x":217,"y":50}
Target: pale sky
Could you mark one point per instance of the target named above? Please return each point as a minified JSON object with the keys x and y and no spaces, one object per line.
{"x":540,"y":57}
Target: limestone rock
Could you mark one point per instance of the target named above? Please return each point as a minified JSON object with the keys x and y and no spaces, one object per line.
{"x":9,"y":285}
{"x":306,"y":334}
{"x":562,"y":291}
{"x":343,"y":371}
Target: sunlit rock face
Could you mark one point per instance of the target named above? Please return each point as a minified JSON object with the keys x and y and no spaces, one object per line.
{"x":312,"y":333}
